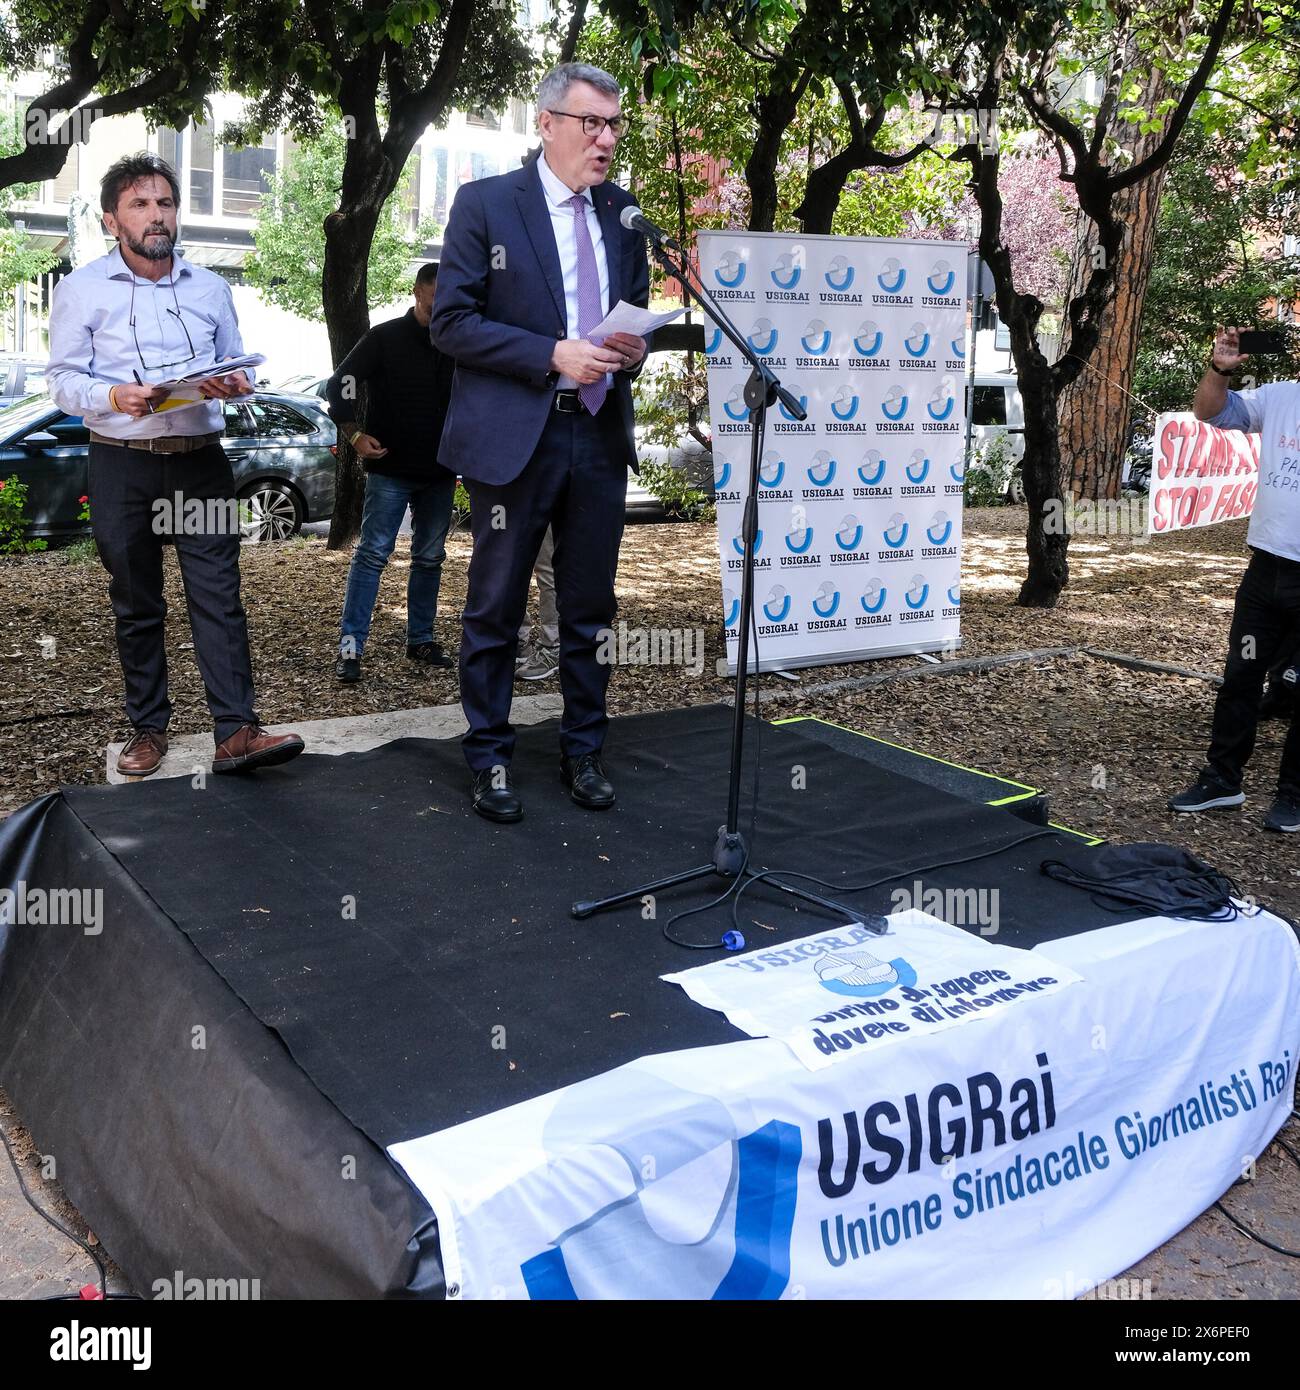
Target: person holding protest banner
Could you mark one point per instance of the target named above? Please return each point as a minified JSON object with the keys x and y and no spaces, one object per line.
{"x":1266,"y":615}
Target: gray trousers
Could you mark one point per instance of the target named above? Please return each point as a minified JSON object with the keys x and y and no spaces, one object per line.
{"x":546,"y":631}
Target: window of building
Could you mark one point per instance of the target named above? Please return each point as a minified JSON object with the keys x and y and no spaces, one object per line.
{"x":169,"y":148}
{"x":201,"y":169}
{"x":484,"y":116}
{"x":518,"y":116}
{"x":65,"y":181}
{"x":245,"y":176}
{"x":441,"y":200}
{"x":484,"y":166}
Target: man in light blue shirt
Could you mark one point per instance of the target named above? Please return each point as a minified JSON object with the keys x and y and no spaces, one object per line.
{"x":139,"y":316}
{"x":1266,"y":616}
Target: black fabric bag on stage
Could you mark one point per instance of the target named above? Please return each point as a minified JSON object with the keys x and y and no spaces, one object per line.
{"x":1163,"y":880}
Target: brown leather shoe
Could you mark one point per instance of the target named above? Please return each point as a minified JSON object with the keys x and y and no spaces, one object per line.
{"x":251,"y":747}
{"x":142,"y":753}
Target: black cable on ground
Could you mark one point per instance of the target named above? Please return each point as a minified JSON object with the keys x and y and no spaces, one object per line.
{"x":1254,"y":1235}
{"x":63,"y":1230}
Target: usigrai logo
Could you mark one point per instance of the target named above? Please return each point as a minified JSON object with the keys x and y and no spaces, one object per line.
{"x":821,"y":472}
{"x":743,"y":1181}
{"x":800,"y":396}
{"x":762,"y":337}
{"x":872,"y":468}
{"x":849,"y":536}
{"x":731,"y":606}
{"x":785,"y":274}
{"x":896,"y":532}
{"x":892,"y":276}
{"x":957,"y":348}
{"x":918,"y":470}
{"x":917,"y":342}
{"x":957,"y":471}
{"x":942,"y":278}
{"x":860,"y":975}
{"x":917,"y":592}
{"x":777,"y":607}
{"x":799,"y":541}
{"x":730,"y":270}
{"x":712,"y":339}
{"x":941,"y":403}
{"x":734,"y":406}
{"x":771,"y":469}
{"x":826,"y":600}
{"x":839,"y":274}
{"x":721,"y":472}
{"x":844,"y":404}
{"x":873,"y":596}
{"x":954,"y":595}
{"x":939,"y":529}
{"x":894,"y":406}
{"x":868,"y":338}
{"x":738,"y":542}
{"x":816,"y":340}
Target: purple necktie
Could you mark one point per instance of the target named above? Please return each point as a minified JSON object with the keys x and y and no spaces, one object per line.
{"x":589,"y":310}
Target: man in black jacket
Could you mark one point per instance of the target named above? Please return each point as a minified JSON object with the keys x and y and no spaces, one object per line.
{"x":410,"y":384}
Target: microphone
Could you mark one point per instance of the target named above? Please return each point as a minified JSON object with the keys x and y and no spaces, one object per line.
{"x":635,"y":221}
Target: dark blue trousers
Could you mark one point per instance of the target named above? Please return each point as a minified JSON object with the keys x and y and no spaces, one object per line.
{"x":573,"y":485}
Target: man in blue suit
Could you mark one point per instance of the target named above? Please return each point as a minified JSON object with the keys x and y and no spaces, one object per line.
{"x":540,"y":420}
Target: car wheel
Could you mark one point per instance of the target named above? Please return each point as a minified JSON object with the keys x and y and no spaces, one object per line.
{"x":1016,"y":487}
{"x":271,"y":511}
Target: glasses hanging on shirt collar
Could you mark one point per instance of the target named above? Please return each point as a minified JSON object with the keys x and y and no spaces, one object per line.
{"x":176,"y":314}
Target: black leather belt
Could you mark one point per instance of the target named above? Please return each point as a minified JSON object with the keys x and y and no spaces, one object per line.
{"x":161,"y":443}
{"x":567,"y":403}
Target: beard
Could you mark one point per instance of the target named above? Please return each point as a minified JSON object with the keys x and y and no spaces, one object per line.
{"x":151,"y":247}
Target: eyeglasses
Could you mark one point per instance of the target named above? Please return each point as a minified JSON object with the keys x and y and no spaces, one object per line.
{"x":176,"y":313}
{"x":592,"y":126}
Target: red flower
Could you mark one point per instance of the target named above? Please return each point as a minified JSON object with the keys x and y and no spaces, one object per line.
{"x":83,"y":499}
{"x":2,"y":487}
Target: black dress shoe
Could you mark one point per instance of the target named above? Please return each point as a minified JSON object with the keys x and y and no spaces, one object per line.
{"x":347,"y":670}
{"x":585,"y":778}
{"x":428,"y":654}
{"x":495,"y":797}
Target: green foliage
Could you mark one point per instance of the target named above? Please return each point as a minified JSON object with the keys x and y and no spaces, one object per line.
{"x":20,"y":258}
{"x":988,"y":474}
{"x":289,"y":238}
{"x":669,"y":393}
{"x":460,"y":507}
{"x":680,"y":498}
{"x":82,"y":551}
{"x":13,"y":524}
{"x":1218,"y":260}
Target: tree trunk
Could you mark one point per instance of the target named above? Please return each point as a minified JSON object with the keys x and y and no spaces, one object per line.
{"x":347,"y":316}
{"x":775,"y":111}
{"x":1096,"y":409}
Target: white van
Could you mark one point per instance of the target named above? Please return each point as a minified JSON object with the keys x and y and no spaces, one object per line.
{"x":998,"y":414}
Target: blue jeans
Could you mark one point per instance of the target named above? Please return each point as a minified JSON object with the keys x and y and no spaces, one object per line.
{"x":386,"y":502}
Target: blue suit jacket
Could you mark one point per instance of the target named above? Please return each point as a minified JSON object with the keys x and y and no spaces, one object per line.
{"x":499,"y":310}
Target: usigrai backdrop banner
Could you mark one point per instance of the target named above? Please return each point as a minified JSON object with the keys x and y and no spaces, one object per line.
{"x":859,"y":547}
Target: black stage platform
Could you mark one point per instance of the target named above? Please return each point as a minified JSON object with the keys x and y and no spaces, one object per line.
{"x":361,"y":960}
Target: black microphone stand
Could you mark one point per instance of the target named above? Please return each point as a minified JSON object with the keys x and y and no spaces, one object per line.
{"x":730,"y":859}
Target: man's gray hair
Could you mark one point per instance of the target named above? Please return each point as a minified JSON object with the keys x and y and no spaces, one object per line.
{"x":554,"y":87}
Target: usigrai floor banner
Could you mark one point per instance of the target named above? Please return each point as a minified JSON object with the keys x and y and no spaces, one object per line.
{"x":859,"y":551}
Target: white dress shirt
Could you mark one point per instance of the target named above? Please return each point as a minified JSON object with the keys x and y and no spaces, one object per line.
{"x":93,"y":346}
{"x":558,"y":194}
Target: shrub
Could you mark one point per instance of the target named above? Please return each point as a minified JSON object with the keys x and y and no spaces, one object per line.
{"x":680,"y":498}
{"x":13,"y":525}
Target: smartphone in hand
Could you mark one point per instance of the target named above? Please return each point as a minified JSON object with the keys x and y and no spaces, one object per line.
{"x":1253,"y":341}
